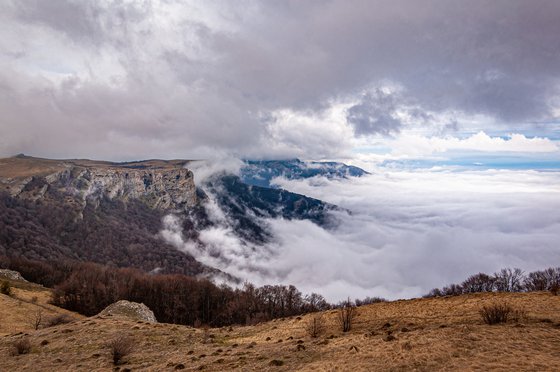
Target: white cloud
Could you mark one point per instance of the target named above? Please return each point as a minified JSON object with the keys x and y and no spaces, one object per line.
{"x":416,"y":145}
{"x":409,"y":231}
{"x":309,"y":134}
{"x":202,"y":169}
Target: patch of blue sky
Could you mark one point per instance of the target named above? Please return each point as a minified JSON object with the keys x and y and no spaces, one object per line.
{"x":379,"y":149}
{"x":549,"y":129}
{"x":481,"y":161}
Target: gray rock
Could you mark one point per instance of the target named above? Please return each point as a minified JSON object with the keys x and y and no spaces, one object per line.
{"x":131,"y":310}
{"x":159,"y":188}
{"x":11,"y":274}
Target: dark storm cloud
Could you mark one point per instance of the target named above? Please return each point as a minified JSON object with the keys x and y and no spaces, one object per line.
{"x":375,"y":114}
{"x":499,"y":58}
{"x":166,"y":78}
{"x":83,"y":21}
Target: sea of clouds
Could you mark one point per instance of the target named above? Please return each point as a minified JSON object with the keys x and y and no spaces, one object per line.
{"x":406,"y":232}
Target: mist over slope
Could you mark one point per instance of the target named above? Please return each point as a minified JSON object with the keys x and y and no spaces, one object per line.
{"x":399,"y":233}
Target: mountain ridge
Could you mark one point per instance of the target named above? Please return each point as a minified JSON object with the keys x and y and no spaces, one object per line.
{"x":113,"y":212}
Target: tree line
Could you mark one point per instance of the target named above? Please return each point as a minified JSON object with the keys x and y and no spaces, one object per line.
{"x":505,"y":280}
{"x":87,"y":288}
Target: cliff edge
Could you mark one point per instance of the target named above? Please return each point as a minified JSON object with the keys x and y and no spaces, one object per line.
{"x":160,"y":184}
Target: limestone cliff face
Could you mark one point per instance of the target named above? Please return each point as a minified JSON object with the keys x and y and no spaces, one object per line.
{"x":166,"y":187}
{"x":158,"y":188}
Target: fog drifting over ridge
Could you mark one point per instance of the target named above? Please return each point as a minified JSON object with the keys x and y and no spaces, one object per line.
{"x":408,"y":231}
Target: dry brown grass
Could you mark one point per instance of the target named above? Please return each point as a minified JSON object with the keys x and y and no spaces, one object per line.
{"x":19,"y":311}
{"x":21,"y":167}
{"x":425,"y":335}
{"x":315,"y":325}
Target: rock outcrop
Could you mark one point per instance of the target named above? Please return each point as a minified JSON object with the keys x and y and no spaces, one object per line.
{"x":162,"y":185}
{"x":11,"y":274}
{"x":158,"y":188}
{"x":130,"y":310}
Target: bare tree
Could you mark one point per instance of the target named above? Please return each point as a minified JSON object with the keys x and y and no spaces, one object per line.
{"x":452,"y":290}
{"x":315,"y":326}
{"x":509,"y":280}
{"x":543,"y":280}
{"x":36,"y":319}
{"x":478,"y":283}
{"x":346,"y":314}
{"x":315,"y":302}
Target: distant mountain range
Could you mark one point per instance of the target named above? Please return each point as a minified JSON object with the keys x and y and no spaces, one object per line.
{"x":262,"y":172}
{"x":112,"y":212}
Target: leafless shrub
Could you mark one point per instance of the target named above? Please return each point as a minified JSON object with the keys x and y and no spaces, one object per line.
{"x":436,"y":292}
{"x":346,"y":314}
{"x":6,"y":288}
{"x":58,"y":319}
{"x":554,"y":289}
{"x":21,"y":346}
{"x":120,"y":347}
{"x":496,"y":313}
{"x":315,"y":326}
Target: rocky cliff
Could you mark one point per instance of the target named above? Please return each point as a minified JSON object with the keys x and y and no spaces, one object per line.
{"x":113,"y":213}
{"x":160,"y":185}
{"x":96,"y":211}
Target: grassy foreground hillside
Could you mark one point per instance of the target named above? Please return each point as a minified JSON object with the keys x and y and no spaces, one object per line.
{"x":427,"y":334}
{"x":19,"y":311}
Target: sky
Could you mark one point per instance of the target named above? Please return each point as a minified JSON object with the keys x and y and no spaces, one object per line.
{"x":452,"y":105}
{"x":361,"y":81}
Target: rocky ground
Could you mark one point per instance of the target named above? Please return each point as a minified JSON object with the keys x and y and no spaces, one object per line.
{"x":420,"y":334}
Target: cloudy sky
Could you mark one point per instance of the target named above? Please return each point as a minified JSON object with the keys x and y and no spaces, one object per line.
{"x":366,"y":81}
{"x":453,"y":105}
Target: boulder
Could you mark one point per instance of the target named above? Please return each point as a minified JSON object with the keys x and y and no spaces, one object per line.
{"x":130,"y":310}
{"x":11,"y":274}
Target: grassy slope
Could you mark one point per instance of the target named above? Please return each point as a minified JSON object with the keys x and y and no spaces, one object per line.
{"x":27,"y":166}
{"x":17,"y":311}
{"x":440,"y":334}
